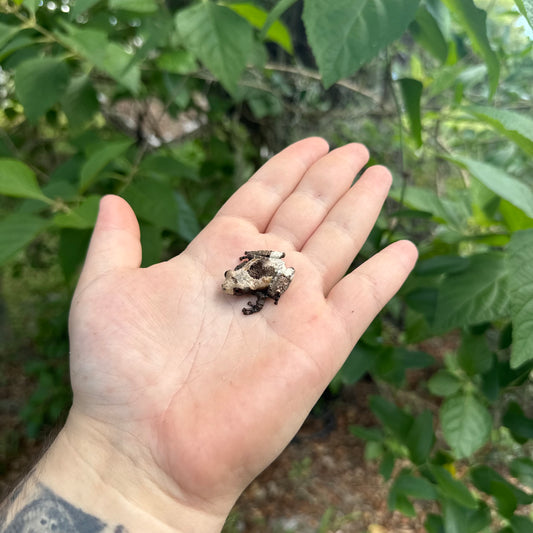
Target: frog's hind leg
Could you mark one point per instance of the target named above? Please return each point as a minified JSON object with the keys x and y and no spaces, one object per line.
{"x":255,"y":308}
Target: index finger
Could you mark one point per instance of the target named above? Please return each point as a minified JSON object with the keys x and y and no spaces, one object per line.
{"x":259,"y":198}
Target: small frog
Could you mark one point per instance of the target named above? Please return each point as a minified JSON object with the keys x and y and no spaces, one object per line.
{"x":261,"y":273}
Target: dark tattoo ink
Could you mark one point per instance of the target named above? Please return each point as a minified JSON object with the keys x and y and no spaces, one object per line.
{"x":49,"y":513}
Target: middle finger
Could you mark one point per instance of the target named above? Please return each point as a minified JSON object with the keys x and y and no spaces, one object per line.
{"x":318,"y":191}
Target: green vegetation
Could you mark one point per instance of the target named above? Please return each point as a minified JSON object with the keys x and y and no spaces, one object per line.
{"x":173,"y":104}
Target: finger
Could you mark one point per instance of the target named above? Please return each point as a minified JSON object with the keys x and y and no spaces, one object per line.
{"x":336,"y":242}
{"x":323,"y":184}
{"x":359,"y":296}
{"x":115,"y":242}
{"x":259,"y":198}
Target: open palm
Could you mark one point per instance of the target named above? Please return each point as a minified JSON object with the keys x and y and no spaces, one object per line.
{"x":168,"y":368}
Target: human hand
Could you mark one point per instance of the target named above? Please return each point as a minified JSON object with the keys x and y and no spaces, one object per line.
{"x":175,"y":381}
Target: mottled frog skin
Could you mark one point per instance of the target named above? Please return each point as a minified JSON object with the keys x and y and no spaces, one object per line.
{"x":262,"y":273}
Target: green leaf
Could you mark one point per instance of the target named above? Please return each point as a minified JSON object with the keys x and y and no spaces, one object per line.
{"x":457,"y":519}
{"x":526,"y":9}
{"x":99,"y":159}
{"x":520,"y":426}
{"x":452,"y":488}
{"x":358,"y":363}
{"x":521,"y":524}
{"x":7,"y":32}
{"x":16,"y":231}
{"x":188,"y":226}
{"x":484,"y":479}
{"x":474,"y":295}
{"x":426,"y":32}
{"x":136,"y":6}
{"x":219,"y":38}
{"x":466,"y":424}
{"x":390,"y":363}
{"x":444,"y":383}
{"x":345,"y":34}
{"x":257,"y":17}
{"x":80,"y":103}
{"x":518,"y":127}
{"x":504,"y":185}
{"x":151,"y":243}
{"x":411,"y":95}
{"x":421,"y":438}
{"x":157,"y":202}
{"x":473,"y":20}
{"x":81,"y":217}
{"x":274,"y":15}
{"x":39,"y":84}
{"x":72,"y":250}
{"x":521,"y":292}
{"x":18,"y":180}
{"x":446,"y":210}
{"x":416,"y":487}
{"x":177,"y":61}
{"x":522,"y":469}
{"x":392,"y":417}
{"x":107,"y":56}
{"x":80,"y":6}
{"x":386,"y":466}
{"x":474,"y":355}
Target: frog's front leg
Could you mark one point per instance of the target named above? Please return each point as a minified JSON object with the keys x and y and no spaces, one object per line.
{"x":255,"y":308}
{"x":269,"y":254}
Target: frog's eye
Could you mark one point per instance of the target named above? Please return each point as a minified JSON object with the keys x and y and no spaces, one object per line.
{"x":226,"y":273}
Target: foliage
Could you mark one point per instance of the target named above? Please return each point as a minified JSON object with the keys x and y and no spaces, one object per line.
{"x":172,"y":105}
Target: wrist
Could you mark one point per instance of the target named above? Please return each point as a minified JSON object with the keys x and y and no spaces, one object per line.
{"x":84,"y":476}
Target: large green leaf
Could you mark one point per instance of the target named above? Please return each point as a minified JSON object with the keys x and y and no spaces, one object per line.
{"x":474,"y":22}
{"x":345,"y":34}
{"x":521,"y":292}
{"x":107,"y":56}
{"x":157,"y":203}
{"x":99,"y":159}
{"x":219,"y":38}
{"x":466,"y":424}
{"x":39,"y":84}
{"x":504,"y":185}
{"x":526,"y":8}
{"x":477,"y":294}
{"x":518,"y":127}
{"x":16,"y":231}
{"x":18,"y":180}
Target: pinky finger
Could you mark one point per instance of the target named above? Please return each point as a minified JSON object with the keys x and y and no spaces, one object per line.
{"x":359,"y":296}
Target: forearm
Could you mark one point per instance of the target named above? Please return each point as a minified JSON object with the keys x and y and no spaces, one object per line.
{"x":69,"y":491}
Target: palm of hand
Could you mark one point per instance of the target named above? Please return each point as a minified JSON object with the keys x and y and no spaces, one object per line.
{"x":168,"y":360}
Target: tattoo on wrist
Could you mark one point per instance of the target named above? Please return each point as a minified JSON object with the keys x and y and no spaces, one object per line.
{"x":47,"y":512}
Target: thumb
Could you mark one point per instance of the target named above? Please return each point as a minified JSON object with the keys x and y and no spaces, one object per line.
{"x":115,"y":242}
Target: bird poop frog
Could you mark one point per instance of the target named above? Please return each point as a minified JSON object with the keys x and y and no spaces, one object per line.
{"x":261,"y":273}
